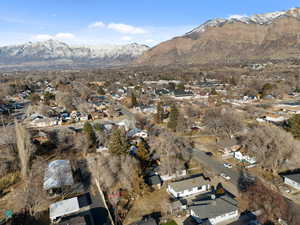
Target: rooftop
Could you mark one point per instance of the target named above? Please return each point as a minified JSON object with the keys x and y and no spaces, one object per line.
{"x":58,"y":174}
{"x":188,"y":183}
{"x":294,"y":177}
{"x":214,"y":208}
{"x":62,"y":208}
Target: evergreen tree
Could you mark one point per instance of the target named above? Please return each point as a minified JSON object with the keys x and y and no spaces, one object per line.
{"x":118,"y":143}
{"x":89,"y":132}
{"x":173,"y":118}
{"x":159,"y":116}
{"x":143,"y":153}
{"x":293,"y":126}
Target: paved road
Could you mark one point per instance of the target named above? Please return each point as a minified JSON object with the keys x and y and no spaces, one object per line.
{"x":216,"y":166}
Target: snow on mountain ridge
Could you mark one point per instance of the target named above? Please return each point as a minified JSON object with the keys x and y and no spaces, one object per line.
{"x":57,"y":49}
{"x":261,"y":19}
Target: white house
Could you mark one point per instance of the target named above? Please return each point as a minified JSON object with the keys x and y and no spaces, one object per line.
{"x":63,"y":208}
{"x":293,"y":180}
{"x":178,"y":174}
{"x":188,"y":187}
{"x":215,"y":211}
{"x":239,"y":155}
{"x":43,"y":122}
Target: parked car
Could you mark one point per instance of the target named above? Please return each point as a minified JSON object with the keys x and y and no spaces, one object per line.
{"x":227,"y":165}
{"x":226,"y":177}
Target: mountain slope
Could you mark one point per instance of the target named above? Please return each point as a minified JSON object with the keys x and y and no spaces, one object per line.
{"x":51,"y":51}
{"x":237,"y":39}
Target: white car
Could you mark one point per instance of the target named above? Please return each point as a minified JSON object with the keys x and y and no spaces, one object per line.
{"x":227,"y":165}
{"x":226,"y":177}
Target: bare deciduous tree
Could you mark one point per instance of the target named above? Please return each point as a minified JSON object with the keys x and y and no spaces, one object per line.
{"x":25,"y":148}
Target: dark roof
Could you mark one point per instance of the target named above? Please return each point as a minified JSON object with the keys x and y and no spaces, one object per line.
{"x":182,"y":93}
{"x":294,"y":177}
{"x":84,"y":200}
{"x":213,"y":208}
{"x":154,"y":180}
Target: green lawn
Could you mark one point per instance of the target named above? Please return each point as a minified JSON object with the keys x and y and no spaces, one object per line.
{"x":172,"y":222}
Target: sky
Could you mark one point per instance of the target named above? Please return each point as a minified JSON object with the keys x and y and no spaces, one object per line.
{"x":98,"y":22}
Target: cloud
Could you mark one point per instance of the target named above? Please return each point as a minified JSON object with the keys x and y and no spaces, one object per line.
{"x":43,"y":37}
{"x":126,"y":38}
{"x":97,"y":24}
{"x":59,"y":36}
{"x":64,"y":36}
{"x":119,"y":27}
{"x":237,"y":16}
{"x":126,"y":29}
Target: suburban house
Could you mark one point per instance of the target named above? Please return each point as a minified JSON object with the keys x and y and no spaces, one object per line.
{"x":243,"y":157}
{"x":191,"y":186}
{"x":70,"y":207}
{"x":135,"y":132}
{"x":177,"y":174}
{"x":292,"y":180}
{"x":58,"y":175}
{"x":154,"y":181}
{"x":215,"y":211}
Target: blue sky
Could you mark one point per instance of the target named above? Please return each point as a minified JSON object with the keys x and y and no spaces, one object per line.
{"x":95,"y":22}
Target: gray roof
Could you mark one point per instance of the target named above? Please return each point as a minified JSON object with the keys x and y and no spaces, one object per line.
{"x":188,"y":183}
{"x":58,"y":174}
{"x":63,"y":208}
{"x":294,"y":177}
{"x":213,"y":208}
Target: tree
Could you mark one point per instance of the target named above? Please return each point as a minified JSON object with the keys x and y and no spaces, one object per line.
{"x":89,"y":132}
{"x":159,"y":116}
{"x":143,"y":153}
{"x":293,"y":126}
{"x":274,"y":148}
{"x":173,"y":118}
{"x":222,"y":122}
{"x":133,"y":100}
{"x":100,"y":91}
{"x":118,"y":143}
{"x":181,"y":86}
{"x":25,"y":148}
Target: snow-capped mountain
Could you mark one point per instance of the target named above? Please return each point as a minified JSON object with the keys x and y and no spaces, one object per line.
{"x":56,"y":50}
{"x":237,"y":39}
{"x":260,"y":19}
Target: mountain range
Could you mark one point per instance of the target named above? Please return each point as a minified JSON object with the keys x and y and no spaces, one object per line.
{"x":53,"y":53}
{"x":270,"y":36}
{"x":237,"y":39}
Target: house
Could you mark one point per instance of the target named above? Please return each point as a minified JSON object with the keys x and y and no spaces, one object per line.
{"x":182,"y":94}
{"x":243,"y":157}
{"x":135,"y":132}
{"x":43,"y":122}
{"x":214,"y":211}
{"x":177,"y":174}
{"x":58,"y":175}
{"x":63,"y":208}
{"x":292,"y":180}
{"x":74,"y":207}
{"x":188,"y":187}
{"x":154,"y":181}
